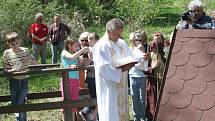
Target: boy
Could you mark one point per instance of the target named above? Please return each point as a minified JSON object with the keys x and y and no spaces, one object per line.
{"x":16,"y":59}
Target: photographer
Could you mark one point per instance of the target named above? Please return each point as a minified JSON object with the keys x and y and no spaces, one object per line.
{"x":195,"y":18}
{"x":213,"y":20}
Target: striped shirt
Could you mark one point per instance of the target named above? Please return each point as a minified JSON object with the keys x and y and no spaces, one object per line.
{"x":20,"y":60}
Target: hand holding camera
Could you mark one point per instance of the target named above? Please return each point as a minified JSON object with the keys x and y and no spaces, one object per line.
{"x":85,"y":51}
{"x":189,"y":16}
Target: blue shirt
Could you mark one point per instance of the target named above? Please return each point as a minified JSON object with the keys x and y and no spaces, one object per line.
{"x":66,"y":62}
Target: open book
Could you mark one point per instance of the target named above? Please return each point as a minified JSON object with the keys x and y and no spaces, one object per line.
{"x":125,"y":62}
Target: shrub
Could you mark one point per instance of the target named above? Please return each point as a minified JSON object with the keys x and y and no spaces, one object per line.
{"x":137,"y":12}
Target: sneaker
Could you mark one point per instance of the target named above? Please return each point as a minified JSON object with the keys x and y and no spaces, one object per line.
{"x":83,"y":115}
{"x":90,"y":117}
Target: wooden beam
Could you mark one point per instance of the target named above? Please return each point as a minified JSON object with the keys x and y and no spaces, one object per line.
{"x":42,"y":95}
{"x":43,"y":71}
{"x":66,"y":96}
{"x":48,"y":106}
{"x":44,"y":65}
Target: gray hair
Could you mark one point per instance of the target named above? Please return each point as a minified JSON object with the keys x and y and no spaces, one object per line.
{"x":38,"y":15}
{"x":114,"y":23}
{"x":57,"y":15}
{"x":84,"y":36}
{"x":195,"y":3}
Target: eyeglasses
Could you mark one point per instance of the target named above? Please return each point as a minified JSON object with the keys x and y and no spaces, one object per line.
{"x":138,"y":40}
{"x":84,"y":40}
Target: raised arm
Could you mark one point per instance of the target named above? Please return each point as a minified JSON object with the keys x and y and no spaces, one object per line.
{"x":77,"y":54}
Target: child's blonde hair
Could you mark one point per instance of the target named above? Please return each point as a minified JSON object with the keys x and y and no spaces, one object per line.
{"x":93,"y":36}
{"x":11,"y":37}
{"x":69,"y":41}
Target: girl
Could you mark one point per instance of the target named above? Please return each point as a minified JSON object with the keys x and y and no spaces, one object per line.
{"x":157,"y":59}
{"x":70,"y":58}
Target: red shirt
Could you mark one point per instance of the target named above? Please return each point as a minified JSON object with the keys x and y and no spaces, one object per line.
{"x":39,"y":30}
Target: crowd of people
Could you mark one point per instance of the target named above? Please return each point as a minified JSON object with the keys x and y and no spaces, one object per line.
{"x":106,"y":82}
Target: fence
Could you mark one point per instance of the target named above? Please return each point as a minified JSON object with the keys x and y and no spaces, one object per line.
{"x":66,"y":103}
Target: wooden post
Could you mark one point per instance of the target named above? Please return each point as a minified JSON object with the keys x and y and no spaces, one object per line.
{"x":82,"y":78}
{"x":66,"y":90}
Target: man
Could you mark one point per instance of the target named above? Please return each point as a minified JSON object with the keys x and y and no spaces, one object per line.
{"x":195,"y":18}
{"x":58,"y":32}
{"x":213,"y":20}
{"x":111,"y":82}
{"x":83,"y":40}
{"x":39,"y":34}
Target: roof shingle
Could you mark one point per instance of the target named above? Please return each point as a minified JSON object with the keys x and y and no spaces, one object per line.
{"x":188,"y":89}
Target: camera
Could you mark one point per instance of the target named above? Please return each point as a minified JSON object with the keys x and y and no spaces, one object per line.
{"x":85,"y":55}
{"x":188,"y":15}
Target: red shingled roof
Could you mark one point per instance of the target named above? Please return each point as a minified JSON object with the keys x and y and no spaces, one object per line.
{"x":188,"y":92}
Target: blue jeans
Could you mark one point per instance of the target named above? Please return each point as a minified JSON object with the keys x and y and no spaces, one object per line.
{"x":55,"y":49}
{"x":19,"y":91}
{"x":138,"y":94}
{"x":40,"y":50}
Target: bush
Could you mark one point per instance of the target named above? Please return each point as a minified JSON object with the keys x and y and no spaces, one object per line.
{"x":137,"y":13}
{"x":17,"y":15}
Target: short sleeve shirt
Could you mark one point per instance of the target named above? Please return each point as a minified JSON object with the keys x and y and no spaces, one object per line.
{"x":11,"y":59}
{"x":66,"y":62}
{"x":40,"y":30}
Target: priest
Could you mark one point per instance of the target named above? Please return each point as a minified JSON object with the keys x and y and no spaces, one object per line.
{"x":111,"y":81}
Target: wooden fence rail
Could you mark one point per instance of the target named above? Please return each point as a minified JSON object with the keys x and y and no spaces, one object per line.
{"x":48,"y":106}
{"x":42,"y":95}
{"x":44,"y":70}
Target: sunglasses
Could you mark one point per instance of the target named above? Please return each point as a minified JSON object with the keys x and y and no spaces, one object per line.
{"x":138,"y":40}
{"x":84,"y":40}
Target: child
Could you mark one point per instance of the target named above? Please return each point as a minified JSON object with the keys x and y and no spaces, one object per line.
{"x":137,"y":76}
{"x":17,"y":59}
{"x":70,"y":58}
{"x":90,"y":80}
{"x":157,"y":60}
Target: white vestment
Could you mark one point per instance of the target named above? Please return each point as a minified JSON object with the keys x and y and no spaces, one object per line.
{"x":111,"y":83}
